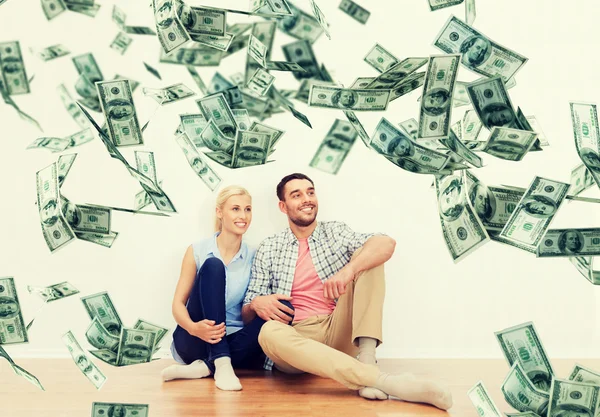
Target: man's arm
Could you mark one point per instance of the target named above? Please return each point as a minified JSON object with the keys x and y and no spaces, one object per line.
{"x":375,"y":251}
{"x":259,"y":283}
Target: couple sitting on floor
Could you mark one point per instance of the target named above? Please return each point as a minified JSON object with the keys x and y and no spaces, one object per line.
{"x":310,"y":299}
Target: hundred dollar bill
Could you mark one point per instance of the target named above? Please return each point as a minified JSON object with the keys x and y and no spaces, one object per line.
{"x":275,"y":134}
{"x":536,"y":127}
{"x":584,"y":118}
{"x":142,"y":199}
{"x":159,"y":331}
{"x":258,"y":51}
{"x":220,"y":157}
{"x":251,"y":148}
{"x":470,"y":12}
{"x":53,"y":8}
{"x":83,"y":218}
{"x":118,"y":409}
{"x":462,"y":229}
{"x":64,"y":164}
{"x":85,"y":365}
{"x":521,"y":394}
{"x":79,"y":138}
{"x":217,"y":109}
{"x":71,"y":107}
{"x":260,"y":82}
{"x":284,"y":66}
{"x":456,"y":146}
{"x":169,"y":28}
{"x":233,"y":96}
{"x":436,"y":106}
{"x":50,"y":143}
{"x":100,"y":305}
{"x":479,"y":53}
{"x":397,"y":74}
{"x":169,"y":94}
{"x":202,"y":20}
{"x":197,"y":162}
{"x":119,"y":16}
{"x":410,"y":127}
{"x":570,"y":242}
{"x":135,"y":346}
{"x":581,"y":179}
{"x":348,"y":99}
{"x":360,"y":82}
{"x":121,"y":42}
{"x":219,"y":83}
{"x":408,"y":84}
{"x":86,"y":65}
{"x":483,"y":402}
{"x":52,"y":52}
{"x":441,"y":4}
{"x":90,"y":10}
{"x":263,"y":32}
{"x":100,"y":338}
{"x":585,"y":265}
{"x":300,"y":116}
{"x":146,"y":165}
{"x":13,"y":69}
{"x":203,"y":56}
{"x":301,"y":52}
{"x":509,"y":144}
{"x":55,"y":228}
{"x":105,"y":355}
{"x":54,"y":292}
{"x":574,"y":398}
{"x":301,"y":25}
{"x":212,"y":138}
{"x":139,"y":30}
{"x":584,"y":374}
{"x":12,"y":326}
{"x":193,"y":125}
{"x":471,"y":126}
{"x":220,"y":43}
{"x":152,"y":70}
{"x":242,"y":118}
{"x":98,"y":238}
{"x":389,"y":141}
{"x":320,"y":17}
{"x":492,"y":103}
{"x":335,"y":147}
{"x":522,"y":345}
{"x":380,"y":58}
{"x":238,"y":78}
{"x":525,"y":414}
{"x":355,"y":11}
{"x":119,"y":110}
{"x":20,"y":371}
{"x":534,"y":213}
{"x":493,"y":205}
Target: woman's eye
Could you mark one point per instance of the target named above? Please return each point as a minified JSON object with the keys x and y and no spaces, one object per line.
{"x":235,"y":209}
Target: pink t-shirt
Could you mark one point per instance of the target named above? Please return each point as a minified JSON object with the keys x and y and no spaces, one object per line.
{"x":307,"y":288}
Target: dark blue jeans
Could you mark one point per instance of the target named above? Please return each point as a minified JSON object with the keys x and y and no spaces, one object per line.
{"x":207,"y":301}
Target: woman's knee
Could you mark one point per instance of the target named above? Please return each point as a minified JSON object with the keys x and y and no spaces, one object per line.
{"x":289,"y":305}
{"x":214,"y":265}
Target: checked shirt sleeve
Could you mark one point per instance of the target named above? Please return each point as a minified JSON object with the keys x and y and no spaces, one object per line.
{"x":260,"y":275}
{"x":350,"y":239}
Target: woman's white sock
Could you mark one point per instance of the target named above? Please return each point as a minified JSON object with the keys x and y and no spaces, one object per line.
{"x":194,"y":370}
{"x":225,"y":377}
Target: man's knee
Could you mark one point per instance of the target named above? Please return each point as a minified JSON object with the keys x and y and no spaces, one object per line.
{"x":270,"y":331}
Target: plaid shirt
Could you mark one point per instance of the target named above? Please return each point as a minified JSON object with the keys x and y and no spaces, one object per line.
{"x":331,"y":246}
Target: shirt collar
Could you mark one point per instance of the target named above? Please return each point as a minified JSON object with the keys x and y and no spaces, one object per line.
{"x":214,"y":249}
{"x":316,"y":235}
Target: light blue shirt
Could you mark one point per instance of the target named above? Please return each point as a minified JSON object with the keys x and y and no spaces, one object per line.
{"x":237,"y":277}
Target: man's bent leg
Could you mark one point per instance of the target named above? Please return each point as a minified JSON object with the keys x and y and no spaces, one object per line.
{"x":292,"y":351}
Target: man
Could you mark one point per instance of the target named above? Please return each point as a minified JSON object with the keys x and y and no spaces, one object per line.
{"x":539,"y":206}
{"x":436,"y":101}
{"x":497,"y":114}
{"x":334,"y":278}
{"x":344,"y":98}
{"x":571,"y":242}
{"x":475,"y":50}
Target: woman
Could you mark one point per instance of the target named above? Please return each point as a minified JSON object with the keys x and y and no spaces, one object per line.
{"x":211,"y":337}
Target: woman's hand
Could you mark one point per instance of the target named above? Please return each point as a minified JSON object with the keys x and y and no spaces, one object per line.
{"x":208,"y":331}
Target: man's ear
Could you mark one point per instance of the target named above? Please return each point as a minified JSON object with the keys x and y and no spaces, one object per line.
{"x":282,"y":207}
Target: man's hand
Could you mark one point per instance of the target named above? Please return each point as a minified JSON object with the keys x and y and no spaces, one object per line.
{"x":336,"y":285}
{"x":268,"y":307}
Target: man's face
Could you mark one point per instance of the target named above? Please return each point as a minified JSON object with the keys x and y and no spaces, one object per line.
{"x":197,"y":164}
{"x":539,"y":208}
{"x":593,"y":160}
{"x":164,"y":12}
{"x":403,"y":148}
{"x":347,"y":99}
{"x":481,"y":200}
{"x":500,"y":117}
{"x":117,"y":411}
{"x":83,"y":364}
{"x":8,"y":309}
{"x":300,"y":202}
{"x":188,"y":56}
{"x":137,"y":353}
{"x":451,"y":197}
{"x":477,"y":51}
{"x":49,"y":212}
{"x":572,"y":241}
{"x":120,"y":111}
{"x":434,"y":100}
{"x":507,"y":149}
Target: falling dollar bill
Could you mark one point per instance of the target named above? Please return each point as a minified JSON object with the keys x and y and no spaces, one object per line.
{"x":53,"y":8}
{"x":12,"y":326}
{"x":54,"y":292}
{"x":84,"y":218}
{"x":258,"y":51}
{"x":119,"y":410}
{"x":302,"y":53}
{"x":301,"y":25}
{"x":397,"y":74}
{"x":86,"y":65}
{"x":251,"y":148}
{"x":348,"y":99}
{"x":100,"y":305}
{"x":146,"y":165}
{"x":335,"y":147}
{"x":202,"y":20}
{"x":13,"y":71}
{"x":584,"y":118}
{"x":71,"y":107}
{"x":121,"y":43}
{"x":320,"y":17}
{"x":482,"y":401}
{"x":199,"y":55}
{"x":217,"y":109}
{"x":441,"y":4}
{"x":355,"y":11}
{"x":242,"y":118}
{"x":585,"y":265}
{"x":169,"y":94}
{"x":380,"y":58}
{"x":479,"y":53}
{"x":20,"y":371}
{"x":408,"y":84}
{"x":264,"y":32}
{"x":581,"y":179}
{"x":570,"y":242}
{"x":575,"y":398}
{"x":135,"y":346}
{"x":260,"y":82}
{"x":470,"y":12}
{"x":169,"y":28}
{"x":534,"y":213}
{"x":521,"y":394}
{"x":492,"y":103}
{"x":85,"y":365}
{"x":212,"y":138}
{"x":222,"y":43}
{"x":460,"y":149}
{"x":98,"y":238}
{"x":53,"y":52}
{"x":584,"y":374}
{"x":436,"y":105}
{"x":509,"y":144}
{"x":100,"y":338}
{"x":197,"y":162}
{"x":159,"y":331}
{"x":119,"y":110}
{"x":463,"y":231}
{"x":522,"y":344}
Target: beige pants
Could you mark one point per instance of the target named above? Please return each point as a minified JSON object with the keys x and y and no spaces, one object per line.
{"x":326,"y":345}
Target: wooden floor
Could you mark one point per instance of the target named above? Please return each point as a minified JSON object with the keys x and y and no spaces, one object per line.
{"x":70,"y":394}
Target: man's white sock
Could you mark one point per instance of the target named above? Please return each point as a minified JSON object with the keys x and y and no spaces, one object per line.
{"x":225,"y":377}
{"x":366,"y":354}
{"x":194,"y":370}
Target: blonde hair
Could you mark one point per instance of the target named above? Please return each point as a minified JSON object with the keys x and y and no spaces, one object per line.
{"x":223,"y":196}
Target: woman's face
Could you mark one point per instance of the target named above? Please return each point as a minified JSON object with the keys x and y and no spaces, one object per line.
{"x":236,"y":214}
